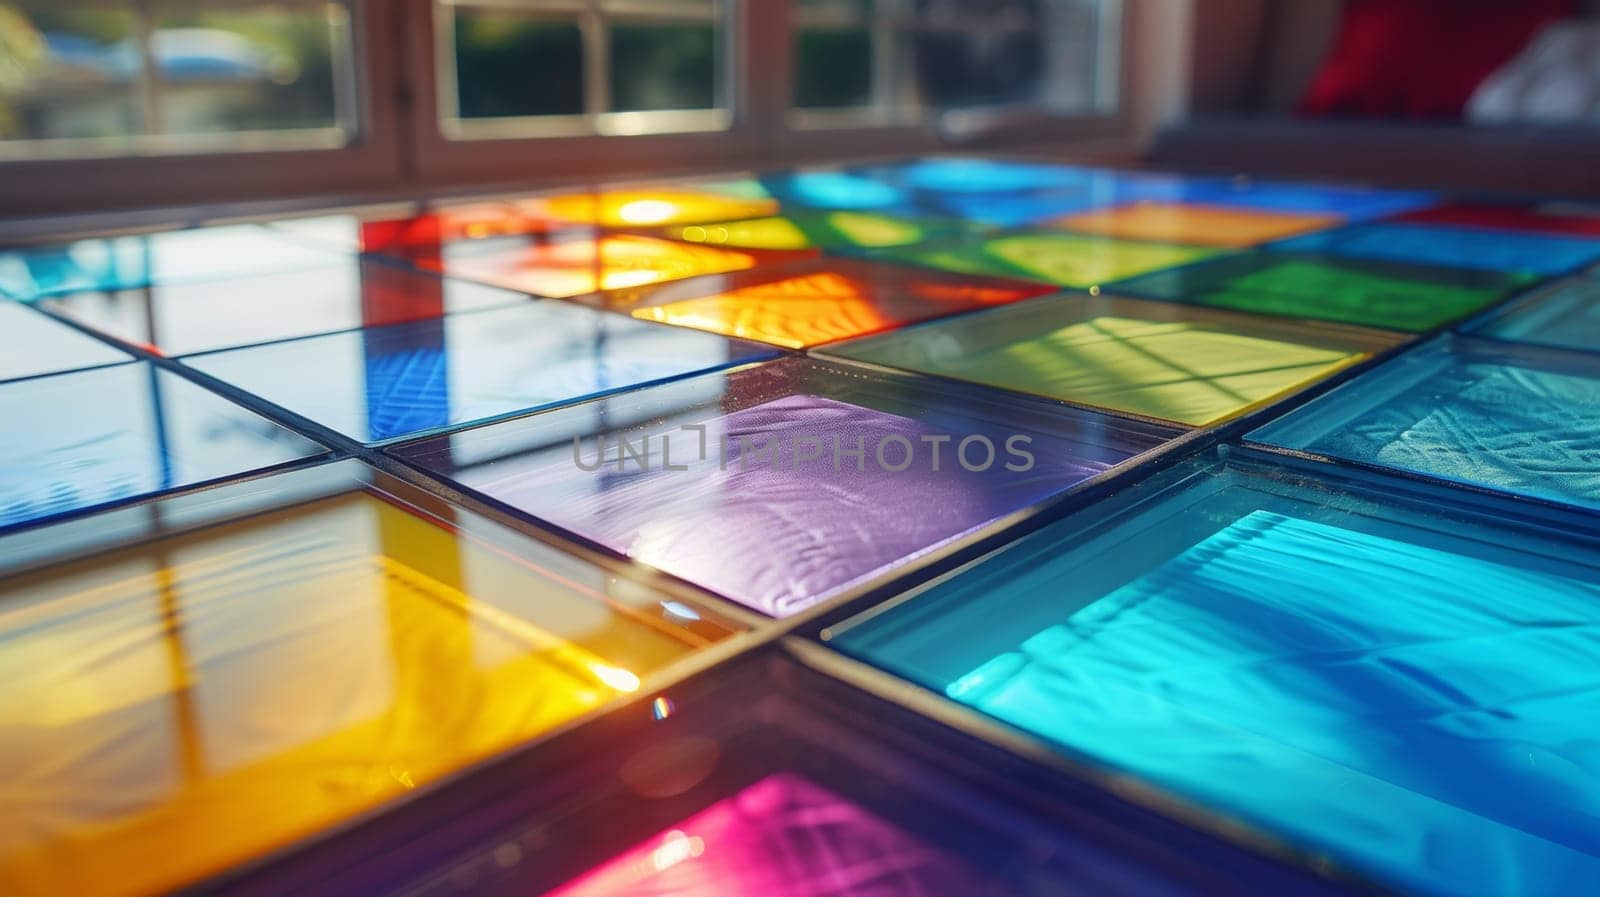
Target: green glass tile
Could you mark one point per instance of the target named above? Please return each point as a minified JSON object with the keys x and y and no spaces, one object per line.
{"x":1373,"y":294}
{"x":1072,"y":260}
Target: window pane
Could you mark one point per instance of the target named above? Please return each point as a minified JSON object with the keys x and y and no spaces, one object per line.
{"x":833,"y":54}
{"x":67,"y":73}
{"x":267,"y":69}
{"x":511,"y":64}
{"x":833,"y":68}
{"x":111,"y":76}
{"x":994,"y":52}
{"x":663,"y":66}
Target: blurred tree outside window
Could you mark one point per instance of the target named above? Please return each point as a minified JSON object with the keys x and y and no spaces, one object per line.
{"x":119,"y":77}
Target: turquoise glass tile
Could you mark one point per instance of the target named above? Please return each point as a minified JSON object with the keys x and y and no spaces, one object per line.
{"x":1518,"y":419}
{"x":80,"y":440}
{"x":119,"y":263}
{"x":824,"y":189}
{"x":1385,"y":673}
{"x":1565,"y":315}
{"x":1480,"y":249}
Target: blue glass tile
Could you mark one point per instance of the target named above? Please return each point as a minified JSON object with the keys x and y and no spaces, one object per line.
{"x":1354,"y":203}
{"x":1093,"y":189}
{"x":385,"y":383}
{"x":1457,"y":247}
{"x":32,"y":344}
{"x":77,"y":440}
{"x":201,"y":316}
{"x":117,"y":263}
{"x":976,"y":175}
{"x":1565,"y":315}
{"x":1390,"y":674}
{"x":1515,"y":418}
{"x":832,"y":190}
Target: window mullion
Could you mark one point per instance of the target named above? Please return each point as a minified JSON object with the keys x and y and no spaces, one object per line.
{"x":596,"y":61}
{"x":149,"y":84}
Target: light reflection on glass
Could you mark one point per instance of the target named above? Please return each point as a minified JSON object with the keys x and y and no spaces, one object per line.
{"x":235,"y":689}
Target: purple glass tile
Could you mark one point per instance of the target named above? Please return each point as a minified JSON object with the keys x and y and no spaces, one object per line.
{"x":798,"y":483}
{"x":782,"y":837}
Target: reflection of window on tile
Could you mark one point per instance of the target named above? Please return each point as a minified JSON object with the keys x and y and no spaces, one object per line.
{"x":125,"y":78}
{"x":894,"y":60}
{"x":571,"y":67}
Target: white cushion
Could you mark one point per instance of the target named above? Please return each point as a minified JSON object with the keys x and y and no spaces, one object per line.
{"x":1554,"y":80}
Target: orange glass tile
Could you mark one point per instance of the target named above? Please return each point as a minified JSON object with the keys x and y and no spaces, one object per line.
{"x":174,"y":709}
{"x":565,"y":267}
{"x":840,"y":301}
{"x":647,"y":207}
{"x":1194,"y":224}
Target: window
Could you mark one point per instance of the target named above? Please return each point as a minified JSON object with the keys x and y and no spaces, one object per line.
{"x":531,"y":68}
{"x":107,"y":103}
{"x":151,"y":77}
{"x":897,"y":61}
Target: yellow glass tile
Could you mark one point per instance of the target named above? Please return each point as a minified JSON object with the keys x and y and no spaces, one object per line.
{"x":647,"y":208}
{"x":564,"y":268}
{"x":798,"y":312}
{"x":170,"y":710}
{"x":1190,"y":366}
{"x":757,"y":233}
{"x":872,"y":231}
{"x":1172,"y":371}
{"x":1072,"y":260}
{"x":1195,"y":224}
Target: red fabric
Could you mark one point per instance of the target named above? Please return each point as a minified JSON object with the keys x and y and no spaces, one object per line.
{"x":1422,"y":58}
{"x":1550,"y":221}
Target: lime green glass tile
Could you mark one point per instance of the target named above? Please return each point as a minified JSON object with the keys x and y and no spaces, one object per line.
{"x":836,"y":230}
{"x":1176,"y":363}
{"x":1406,"y":297}
{"x":1072,"y":260}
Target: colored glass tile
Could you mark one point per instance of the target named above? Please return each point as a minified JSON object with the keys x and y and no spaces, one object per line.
{"x":1477,"y":249}
{"x":1187,"y":365}
{"x":1552,"y":218}
{"x":837,"y":230}
{"x":115,"y":263}
{"x":411,"y":231}
{"x":832,"y":301}
{"x":200,"y":316}
{"x":79,"y":440}
{"x":247,"y":684}
{"x":1565,"y":315}
{"x":1050,"y":257}
{"x":1396,"y":677}
{"x":384,"y":383}
{"x":977,"y":175}
{"x":566,"y":266}
{"x":645,"y":207}
{"x":1328,"y":288}
{"x":1193,"y":224}
{"x":784,"y":484}
{"x":1515,"y":418}
{"x":32,"y":344}
{"x":1093,"y":189}
{"x":782,"y":837}
{"x":832,"y":190}
{"x":1346,"y":201}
